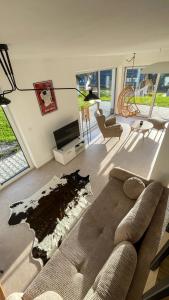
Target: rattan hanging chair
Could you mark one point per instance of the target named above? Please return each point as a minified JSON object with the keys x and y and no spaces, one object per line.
{"x":126,"y":103}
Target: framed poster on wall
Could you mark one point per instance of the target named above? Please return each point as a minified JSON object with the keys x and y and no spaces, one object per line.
{"x":46,"y":96}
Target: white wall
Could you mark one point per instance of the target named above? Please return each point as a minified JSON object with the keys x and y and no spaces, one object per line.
{"x":160,"y":167}
{"x":37,"y":130}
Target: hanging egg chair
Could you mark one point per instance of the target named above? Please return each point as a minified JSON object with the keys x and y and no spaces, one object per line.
{"x":126,"y":104}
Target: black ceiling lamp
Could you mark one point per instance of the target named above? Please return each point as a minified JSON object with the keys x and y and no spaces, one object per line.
{"x":6,"y":65}
{"x":4,"y":101}
{"x":91,"y":96}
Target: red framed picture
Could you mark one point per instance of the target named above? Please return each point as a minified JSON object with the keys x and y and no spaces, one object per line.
{"x":46,"y":96}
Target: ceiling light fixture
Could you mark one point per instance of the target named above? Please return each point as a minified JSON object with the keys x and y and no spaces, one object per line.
{"x":4,"y":101}
{"x":6,"y":65}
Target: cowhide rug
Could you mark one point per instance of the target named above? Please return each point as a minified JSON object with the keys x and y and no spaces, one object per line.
{"x":52,"y":211}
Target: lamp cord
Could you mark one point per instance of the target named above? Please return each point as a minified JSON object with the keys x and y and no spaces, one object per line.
{"x":8,"y":70}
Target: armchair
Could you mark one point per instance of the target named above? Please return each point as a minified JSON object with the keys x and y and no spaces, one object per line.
{"x":109,"y":128}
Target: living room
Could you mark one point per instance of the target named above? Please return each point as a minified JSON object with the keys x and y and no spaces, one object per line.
{"x":49,"y":46}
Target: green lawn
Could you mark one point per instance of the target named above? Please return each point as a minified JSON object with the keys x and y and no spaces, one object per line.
{"x":6,"y":133}
{"x":147,"y":100}
{"x":105,"y":95}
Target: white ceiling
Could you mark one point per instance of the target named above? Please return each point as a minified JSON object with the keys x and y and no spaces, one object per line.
{"x":83,"y":27}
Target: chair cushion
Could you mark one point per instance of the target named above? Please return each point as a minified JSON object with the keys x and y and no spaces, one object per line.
{"x":115,"y":277}
{"x":158,"y":123}
{"x":135,"y":223}
{"x":133,"y":187}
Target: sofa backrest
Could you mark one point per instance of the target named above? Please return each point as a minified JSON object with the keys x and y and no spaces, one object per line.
{"x":148,"y":248}
{"x":136,"y":222}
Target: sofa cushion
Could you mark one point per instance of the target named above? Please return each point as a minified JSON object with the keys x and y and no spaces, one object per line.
{"x":87,"y":247}
{"x":115,"y":277}
{"x":58,"y":275}
{"x":133,"y":187}
{"x":135,"y":223}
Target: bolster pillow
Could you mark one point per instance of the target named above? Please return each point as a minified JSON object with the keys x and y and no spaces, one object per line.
{"x":135,"y":223}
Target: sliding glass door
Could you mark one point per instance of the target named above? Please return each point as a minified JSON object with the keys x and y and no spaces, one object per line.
{"x":150,"y":104}
{"x":12,"y":158}
{"x":161,"y":103}
{"x":144,"y":85}
{"x":103,"y":85}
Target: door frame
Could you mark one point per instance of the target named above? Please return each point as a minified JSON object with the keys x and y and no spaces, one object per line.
{"x":154,"y":94}
{"x":15,"y":129}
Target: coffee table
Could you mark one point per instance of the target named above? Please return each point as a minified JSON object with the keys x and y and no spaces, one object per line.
{"x":146,"y":126}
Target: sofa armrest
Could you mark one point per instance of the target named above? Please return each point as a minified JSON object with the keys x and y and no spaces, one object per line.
{"x":123,"y":175}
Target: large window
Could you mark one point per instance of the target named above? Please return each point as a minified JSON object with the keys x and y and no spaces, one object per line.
{"x":106,"y":85}
{"x":12,"y":158}
{"x":103,"y":85}
{"x":161,"y":103}
{"x":144,"y":85}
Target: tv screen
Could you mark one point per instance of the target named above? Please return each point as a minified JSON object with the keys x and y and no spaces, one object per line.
{"x":67,"y":134}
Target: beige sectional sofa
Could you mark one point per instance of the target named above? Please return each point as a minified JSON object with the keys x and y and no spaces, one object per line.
{"x":88,"y":265}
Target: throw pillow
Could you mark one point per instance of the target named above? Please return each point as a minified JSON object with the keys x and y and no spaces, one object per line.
{"x":135,"y":223}
{"x":49,"y":296}
{"x":133,"y":187}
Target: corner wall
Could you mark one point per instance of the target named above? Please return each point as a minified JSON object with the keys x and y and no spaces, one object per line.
{"x":160,"y":168}
{"x":37,"y":130}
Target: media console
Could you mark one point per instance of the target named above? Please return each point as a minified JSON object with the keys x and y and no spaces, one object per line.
{"x":69,"y":151}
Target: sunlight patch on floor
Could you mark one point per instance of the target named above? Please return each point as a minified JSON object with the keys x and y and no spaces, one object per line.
{"x":133,"y":152}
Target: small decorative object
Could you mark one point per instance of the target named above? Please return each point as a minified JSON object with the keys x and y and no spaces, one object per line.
{"x":46,"y":96}
{"x":141,"y":123}
{"x":85,"y":113}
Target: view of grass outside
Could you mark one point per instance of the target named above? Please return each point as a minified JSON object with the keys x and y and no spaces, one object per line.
{"x":145,"y":83}
{"x":101,"y":86}
{"x":161,"y":100}
{"x":6,"y":133}
{"x":8,"y":142}
{"x":105,"y":95}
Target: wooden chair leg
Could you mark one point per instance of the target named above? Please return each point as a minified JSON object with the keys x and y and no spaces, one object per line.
{"x":2,"y":295}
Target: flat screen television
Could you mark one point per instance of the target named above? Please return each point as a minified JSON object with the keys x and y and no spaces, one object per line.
{"x":66,"y":134}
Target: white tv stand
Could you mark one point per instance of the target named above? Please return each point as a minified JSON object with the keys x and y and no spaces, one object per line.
{"x":69,"y":151}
